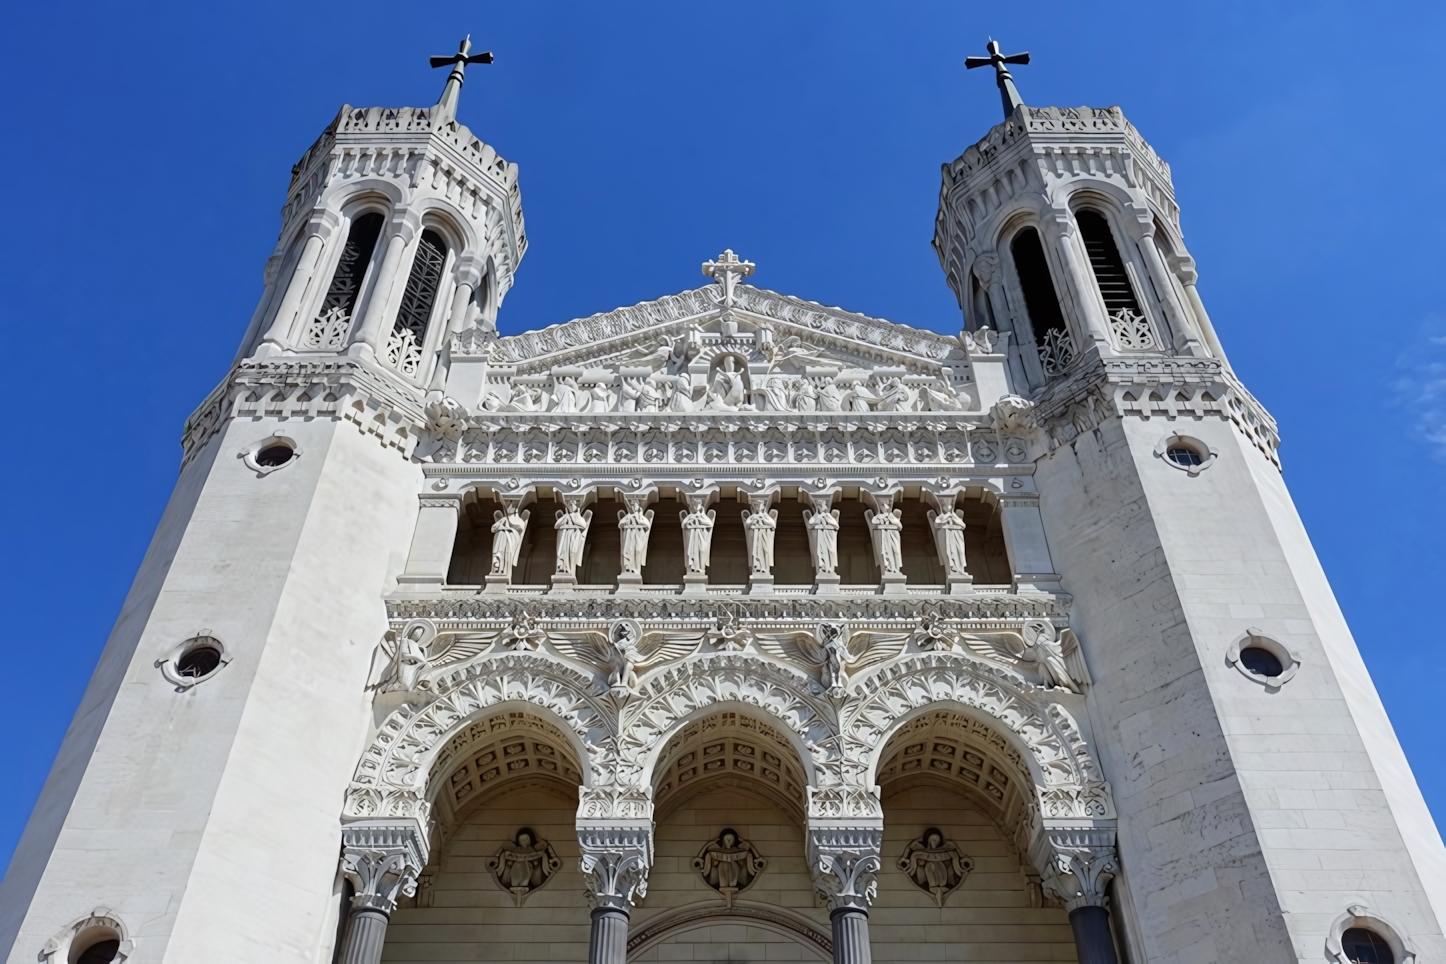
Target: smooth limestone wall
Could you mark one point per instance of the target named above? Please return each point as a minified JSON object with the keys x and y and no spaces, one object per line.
{"x":470,"y":918}
{"x":198,"y":814}
{"x":1248,"y":819}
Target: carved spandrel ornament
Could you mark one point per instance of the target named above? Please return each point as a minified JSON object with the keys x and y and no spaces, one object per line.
{"x":524,"y":865}
{"x":729,"y":865}
{"x":935,"y":865}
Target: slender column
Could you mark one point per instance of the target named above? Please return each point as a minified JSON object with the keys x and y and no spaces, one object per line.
{"x":616,"y":856}
{"x":1091,"y":317}
{"x":382,"y":859}
{"x":456,"y":318}
{"x":1185,"y":336}
{"x":1078,"y":866}
{"x":291,"y":301}
{"x":371,"y":326}
{"x":1188,"y":277}
{"x":844,"y":860}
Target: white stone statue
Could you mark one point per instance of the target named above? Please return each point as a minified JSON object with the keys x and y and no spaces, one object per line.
{"x":600,"y":398}
{"x":632,"y":388}
{"x":400,"y":670}
{"x":776,"y":390}
{"x":805,"y":396}
{"x":697,"y":536}
{"x":525,"y":865}
{"x":935,"y":864}
{"x":887,"y":528}
{"x":635,"y":525}
{"x":822,"y":525}
{"x":569,"y":397}
{"x":681,"y":399}
{"x":1042,"y":646}
{"x":572,"y":526}
{"x":508,"y":528}
{"x":728,"y":390}
{"x":650,"y":396}
{"x":941,"y":397}
{"x":895,"y":396}
{"x":949,"y":539}
{"x":729,"y":865}
{"x":830,"y":399}
{"x":759,"y":528}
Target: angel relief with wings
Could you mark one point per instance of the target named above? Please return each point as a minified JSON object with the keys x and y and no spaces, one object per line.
{"x":625,"y":651}
{"x":1053,"y":653}
{"x":834,"y":650}
{"x":404,"y":658}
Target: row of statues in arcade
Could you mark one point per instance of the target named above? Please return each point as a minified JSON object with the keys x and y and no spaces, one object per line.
{"x":760,"y":524}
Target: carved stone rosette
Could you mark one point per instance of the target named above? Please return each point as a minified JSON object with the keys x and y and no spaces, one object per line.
{"x":615,"y":861}
{"x":382,"y":858}
{"x":844,"y":861}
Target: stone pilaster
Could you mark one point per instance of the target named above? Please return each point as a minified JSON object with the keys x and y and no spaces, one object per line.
{"x":616,"y":857}
{"x":1076,"y":867}
{"x":844,"y":860}
{"x":382,"y":859}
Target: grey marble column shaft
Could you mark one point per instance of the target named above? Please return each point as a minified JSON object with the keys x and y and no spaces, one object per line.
{"x":1092,"y":938}
{"x":366,"y":931}
{"x":851,"y":936}
{"x":608,"y":943}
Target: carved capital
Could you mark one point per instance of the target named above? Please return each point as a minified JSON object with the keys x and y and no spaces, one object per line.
{"x":382,"y":858}
{"x":1076,"y":865}
{"x":616,"y":858}
{"x":844,"y":860}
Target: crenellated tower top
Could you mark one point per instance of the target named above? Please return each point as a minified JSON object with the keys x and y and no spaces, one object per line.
{"x":400,"y":228}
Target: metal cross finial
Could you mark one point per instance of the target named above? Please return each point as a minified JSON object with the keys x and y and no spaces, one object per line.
{"x":447,"y":106}
{"x":727,"y":270}
{"x":1007,"y":91}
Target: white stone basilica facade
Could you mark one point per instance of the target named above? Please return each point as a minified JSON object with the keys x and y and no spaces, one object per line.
{"x":729,"y":626}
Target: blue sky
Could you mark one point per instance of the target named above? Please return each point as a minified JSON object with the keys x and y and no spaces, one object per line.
{"x":149,"y":148}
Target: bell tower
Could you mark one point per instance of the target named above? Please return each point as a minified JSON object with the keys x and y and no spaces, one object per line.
{"x":1242,"y":733}
{"x":191,"y":812}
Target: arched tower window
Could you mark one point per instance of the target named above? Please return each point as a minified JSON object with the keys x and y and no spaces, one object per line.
{"x":1109,"y":267}
{"x":329,"y":329}
{"x":1051,"y":336}
{"x":404,"y":347}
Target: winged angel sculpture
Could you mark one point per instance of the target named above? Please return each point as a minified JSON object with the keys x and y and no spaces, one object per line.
{"x":1055,"y":654}
{"x":403,"y":659}
{"x":625,"y":652}
{"x":834,"y":651}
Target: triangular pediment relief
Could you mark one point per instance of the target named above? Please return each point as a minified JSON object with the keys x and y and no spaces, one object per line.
{"x":783,"y":333}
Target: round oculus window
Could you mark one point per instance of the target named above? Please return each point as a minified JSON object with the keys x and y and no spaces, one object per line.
{"x":1262,"y":661}
{"x":1363,"y":946}
{"x":275,"y":455}
{"x":198,"y":662}
{"x":101,"y":952}
{"x":1184,"y":456}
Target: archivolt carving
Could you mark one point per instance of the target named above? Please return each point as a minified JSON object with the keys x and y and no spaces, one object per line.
{"x":390,"y":780}
{"x":671,"y":696}
{"x":1071,"y":782}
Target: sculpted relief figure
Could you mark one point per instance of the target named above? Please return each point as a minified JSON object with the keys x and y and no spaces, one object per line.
{"x":887,"y":528}
{"x":400,"y":669}
{"x":728,"y":391}
{"x":822,"y":525}
{"x":948,"y":529}
{"x":941,"y":397}
{"x":635,"y":526}
{"x":507,"y":531}
{"x":729,"y":865}
{"x":697,"y":535}
{"x":830,"y":399}
{"x":572,"y":526}
{"x":524,"y":865}
{"x":935,"y":864}
{"x":1042,"y":646}
{"x":759,"y":527}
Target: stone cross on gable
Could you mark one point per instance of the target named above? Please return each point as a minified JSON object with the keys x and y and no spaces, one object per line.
{"x":447,"y":106}
{"x":727,"y":270}
{"x":1008,"y":93}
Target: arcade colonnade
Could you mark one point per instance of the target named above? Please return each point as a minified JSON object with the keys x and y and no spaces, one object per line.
{"x":641,"y":537}
{"x":629,"y":745}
